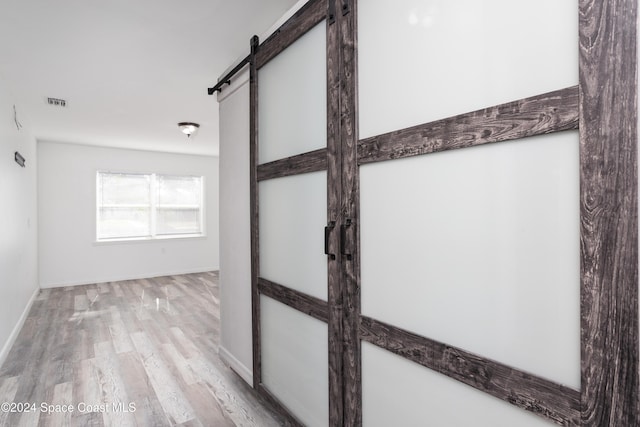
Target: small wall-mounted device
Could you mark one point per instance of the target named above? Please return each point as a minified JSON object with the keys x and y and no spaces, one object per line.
{"x":19,"y":159}
{"x":57,"y":102}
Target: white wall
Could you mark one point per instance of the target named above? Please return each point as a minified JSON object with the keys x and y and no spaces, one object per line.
{"x":68,"y":253}
{"x":18,"y":221}
{"x":235,"y":238}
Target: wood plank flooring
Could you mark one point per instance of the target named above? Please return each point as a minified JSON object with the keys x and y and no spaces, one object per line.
{"x":132,"y":353}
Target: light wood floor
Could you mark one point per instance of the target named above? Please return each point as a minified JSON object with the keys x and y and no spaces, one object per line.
{"x":142,"y":352}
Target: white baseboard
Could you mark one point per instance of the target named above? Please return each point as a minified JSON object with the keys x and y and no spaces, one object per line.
{"x":237,"y":366}
{"x":16,"y":330}
{"x":119,"y":278}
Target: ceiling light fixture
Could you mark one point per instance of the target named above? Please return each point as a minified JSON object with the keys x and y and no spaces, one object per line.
{"x":188,"y":128}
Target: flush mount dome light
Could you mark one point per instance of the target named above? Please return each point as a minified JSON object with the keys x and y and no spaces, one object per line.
{"x":188,"y":128}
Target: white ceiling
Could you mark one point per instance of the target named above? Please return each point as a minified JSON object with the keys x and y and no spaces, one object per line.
{"x":129,"y":70}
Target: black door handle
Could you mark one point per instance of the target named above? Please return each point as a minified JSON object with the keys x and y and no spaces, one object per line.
{"x":327,"y":234}
{"x":343,"y":238}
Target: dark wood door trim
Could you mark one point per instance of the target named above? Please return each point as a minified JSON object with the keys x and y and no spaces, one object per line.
{"x":295,"y":27}
{"x":537,"y":115}
{"x":253,"y":209}
{"x":335,"y":327}
{"x":350,"y":205}
{"x":300,"y":301}
{"x":609,"y":212}
{"x":556,"y":402}
{"x":311,"y":161}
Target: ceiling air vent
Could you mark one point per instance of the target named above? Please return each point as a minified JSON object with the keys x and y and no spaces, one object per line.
{"x":56,"y":102}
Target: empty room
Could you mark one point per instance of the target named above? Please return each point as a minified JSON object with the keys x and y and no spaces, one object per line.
{"x":319,"y":213}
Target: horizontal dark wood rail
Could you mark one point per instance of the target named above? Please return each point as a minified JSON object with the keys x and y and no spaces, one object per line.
{"x":540,"y":114}
{"x":295,"y":27}
{"x":302,"y":302}
{"x":312,"y":161}
{"x":556,"y":402}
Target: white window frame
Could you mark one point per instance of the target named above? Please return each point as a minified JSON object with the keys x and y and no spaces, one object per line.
{"x":153,"y":206}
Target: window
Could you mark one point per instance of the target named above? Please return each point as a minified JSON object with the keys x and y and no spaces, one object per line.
{"x":139,"y":206}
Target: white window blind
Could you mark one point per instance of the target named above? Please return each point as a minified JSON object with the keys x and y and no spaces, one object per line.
{"x":135,"y":206}
{"x":179,"y":205}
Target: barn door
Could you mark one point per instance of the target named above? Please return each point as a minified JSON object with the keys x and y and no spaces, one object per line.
{"x":294,"y":222}
{"x":478,"y":247}
{"x":444,"y":213}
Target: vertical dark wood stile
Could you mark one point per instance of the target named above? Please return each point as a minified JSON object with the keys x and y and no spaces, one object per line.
{"x":334,"y":199}
{"x":608,"y":209}
{"x":253,"y":209}
{"x":346,"y":17}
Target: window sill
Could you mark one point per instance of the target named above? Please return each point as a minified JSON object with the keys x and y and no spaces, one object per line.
{"x":119,"y":241}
